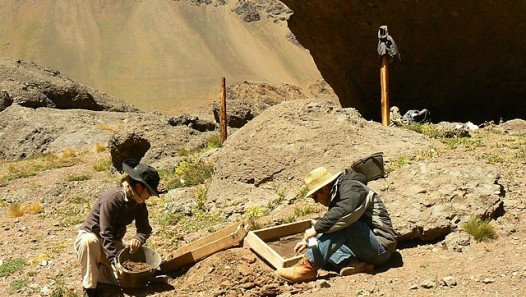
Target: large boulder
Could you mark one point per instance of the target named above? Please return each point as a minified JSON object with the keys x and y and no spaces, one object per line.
{"x":125,"y":146}
{"x":267,"y":159}
{"x":29,"y":131}
{"x":270,"y":155}
{"x":459,"y":59}
{"x":429,"y":199}
{"x":32,"y":85}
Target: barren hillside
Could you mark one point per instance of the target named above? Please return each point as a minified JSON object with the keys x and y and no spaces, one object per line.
{"x":158,"y":55}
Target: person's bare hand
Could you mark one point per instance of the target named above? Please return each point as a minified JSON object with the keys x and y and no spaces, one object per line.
{"x":300,"y":247}
{"x":134,"y":245}
{"x":309,"y":233}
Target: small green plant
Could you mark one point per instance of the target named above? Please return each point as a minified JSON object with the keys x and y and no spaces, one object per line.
{"x":467,"y":142}
{"x":200,"y":197}
{"x":60,"y":289}
{"x":74,"y":211}
{"x":399,"y":162}
{"x":214,"y":141}
{"x":492,"y":158}
{"x":275,"y":203}
{"x":187,"y":173}
{"x":301,"y":194}
{"x":184,"y":152}
{"x":78,"y":177}
{"x":102,"y":164}
{"x":430,"y":130}
{"x":304,"y":209}
{"x":200,"y":220}
{"x":481,"y":230}
{"x":11,"y":266}
{"x":18,"y":284}
{"x":255,"y":212}
{"x":34,"y":165}
{"x":290,"y":219}
{"x":169,"y":218}
{"x":427,"y":154}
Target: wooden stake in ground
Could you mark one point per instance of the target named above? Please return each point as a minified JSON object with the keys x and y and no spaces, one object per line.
{"x":386,"y":49}
{"x":384,"y":82}
{"x":222,"y":113}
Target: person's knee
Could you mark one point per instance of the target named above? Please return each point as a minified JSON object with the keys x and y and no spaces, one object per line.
{"x":89,"y":241}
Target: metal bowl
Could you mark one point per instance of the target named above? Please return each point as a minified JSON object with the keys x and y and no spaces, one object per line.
{"x":132,"y":279}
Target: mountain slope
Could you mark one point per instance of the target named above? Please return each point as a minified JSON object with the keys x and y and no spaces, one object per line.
{"x":157,"y":55}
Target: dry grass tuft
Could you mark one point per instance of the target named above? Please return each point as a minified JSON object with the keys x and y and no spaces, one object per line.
{"x":99,"y":148}
{"x":17,"y":210}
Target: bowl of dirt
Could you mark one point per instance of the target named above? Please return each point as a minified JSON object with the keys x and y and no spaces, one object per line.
{"x":137,"y":268}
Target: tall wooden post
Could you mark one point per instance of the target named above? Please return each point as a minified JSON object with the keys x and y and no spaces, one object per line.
{"x":222,"y":113}
{"x":384,"y":81}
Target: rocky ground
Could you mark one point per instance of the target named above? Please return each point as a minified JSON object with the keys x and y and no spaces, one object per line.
{"x":57,"y":157}
{"x":60,"y":195}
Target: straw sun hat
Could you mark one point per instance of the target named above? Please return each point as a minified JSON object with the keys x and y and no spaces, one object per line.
{"x":317,"y":179}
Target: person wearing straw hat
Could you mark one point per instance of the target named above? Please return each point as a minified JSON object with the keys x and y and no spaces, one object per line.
{"x":354,"y":235}
{"x":100,"y":237}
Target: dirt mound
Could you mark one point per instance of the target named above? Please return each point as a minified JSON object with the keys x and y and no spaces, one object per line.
{"x":234,"y":272}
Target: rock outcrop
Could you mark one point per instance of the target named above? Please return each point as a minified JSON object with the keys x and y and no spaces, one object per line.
{"x":461,"y":60}
{"x":247,"y":100}
{"x":31,"y":85}
{"x":267,"y":159}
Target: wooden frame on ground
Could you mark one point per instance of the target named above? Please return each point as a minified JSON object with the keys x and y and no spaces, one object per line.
{"x":206,"y":246}
{"x":257,"y":241}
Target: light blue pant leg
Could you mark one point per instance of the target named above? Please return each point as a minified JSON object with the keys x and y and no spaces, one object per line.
{"x":357,"y":241}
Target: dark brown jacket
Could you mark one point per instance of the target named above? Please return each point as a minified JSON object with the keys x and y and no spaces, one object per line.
{"x":110,"y":215}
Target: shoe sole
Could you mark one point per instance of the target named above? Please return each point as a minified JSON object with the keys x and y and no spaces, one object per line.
{"x":285,"y":279}
{"x":291,"y":281}
{"x":354,"y":270}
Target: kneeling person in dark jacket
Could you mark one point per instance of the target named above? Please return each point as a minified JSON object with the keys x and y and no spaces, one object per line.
{"x":355,"y":233}
{"x":100,"y":237}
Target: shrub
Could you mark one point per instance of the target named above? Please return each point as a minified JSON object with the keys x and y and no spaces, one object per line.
{"x":481,"y":230}
{"x":255,"y":212}
{"x":188,"y":174}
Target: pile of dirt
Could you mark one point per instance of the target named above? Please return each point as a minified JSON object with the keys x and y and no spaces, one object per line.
{"x":134,"y":266}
